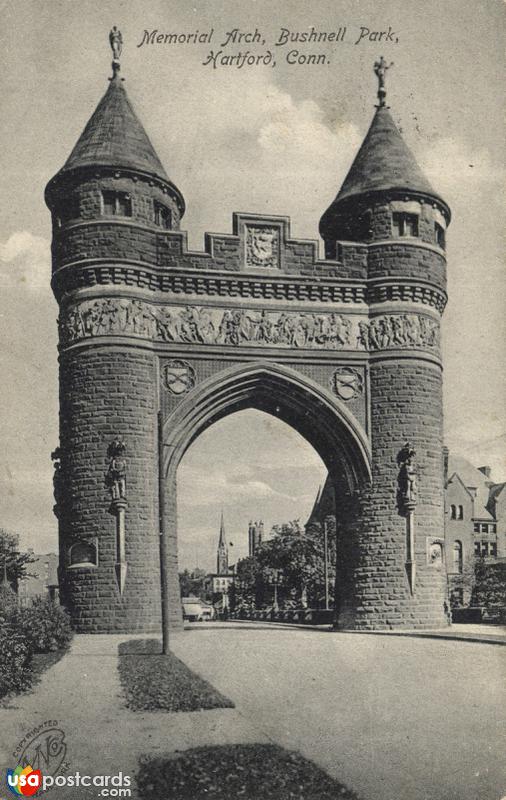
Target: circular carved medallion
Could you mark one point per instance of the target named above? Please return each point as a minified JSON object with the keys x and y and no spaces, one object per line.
{"x":347,"y":383}
{"x":179,"y":376}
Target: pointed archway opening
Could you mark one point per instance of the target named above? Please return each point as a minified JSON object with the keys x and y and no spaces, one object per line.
{"x":314,"y":413}
{"x":242,"y":483}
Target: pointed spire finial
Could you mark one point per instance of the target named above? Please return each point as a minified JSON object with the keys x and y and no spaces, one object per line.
{"x":116,"y":42}
{"x":380,"y":68}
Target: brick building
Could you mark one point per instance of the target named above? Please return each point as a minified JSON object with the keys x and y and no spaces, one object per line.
{"x":255,"y":536}
{"x":43,"y":581}
{"x":157,"y":342}
{"x":474,"y":521}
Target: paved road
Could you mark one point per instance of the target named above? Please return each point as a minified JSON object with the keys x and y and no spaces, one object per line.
{"x":394,"y":718}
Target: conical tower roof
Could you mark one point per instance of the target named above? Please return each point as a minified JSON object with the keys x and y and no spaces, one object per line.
{"x":114,"y":137}
{"x":384,"y":162}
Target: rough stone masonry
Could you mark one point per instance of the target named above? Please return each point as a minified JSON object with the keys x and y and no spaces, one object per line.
{"x":344,"y":349}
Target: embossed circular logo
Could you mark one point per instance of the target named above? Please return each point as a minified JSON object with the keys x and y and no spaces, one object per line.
{"x":179,"y":376}
{"x":347,"y":383}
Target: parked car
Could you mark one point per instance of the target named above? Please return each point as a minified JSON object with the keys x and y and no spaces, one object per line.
{"x":196,"y":610}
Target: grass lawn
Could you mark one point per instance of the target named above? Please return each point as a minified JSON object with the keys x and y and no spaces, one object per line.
{"x":228,"y":772}
{"x":154,"y":682}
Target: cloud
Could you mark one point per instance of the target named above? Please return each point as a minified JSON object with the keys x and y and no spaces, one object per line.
{"x":481,"y":442}
{"x":200,"y":487}
{"x":273,"y":154}
{"x":455,"y":169}
{"x":25,"y":261}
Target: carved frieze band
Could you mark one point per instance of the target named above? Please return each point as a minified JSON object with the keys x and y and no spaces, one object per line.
{"x":243,"y":327}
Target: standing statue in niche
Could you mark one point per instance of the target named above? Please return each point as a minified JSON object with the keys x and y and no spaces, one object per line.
{"x":406,"y":479}
{"x":58,"y":487}
{"x":115,"y":479}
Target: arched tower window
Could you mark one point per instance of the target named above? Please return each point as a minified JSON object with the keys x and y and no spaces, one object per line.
{"x":461,"y":512}
{"x":83,"y":554}
{"x":453,"y":512}
{"x":457,"y":556}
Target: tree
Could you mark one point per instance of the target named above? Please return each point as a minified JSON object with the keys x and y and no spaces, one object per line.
{"x":489,"y":584}
{"x":250,"y":584}
{"x":192,"y":584}
{"x":293,"y":560}
{"x":13,"y":562}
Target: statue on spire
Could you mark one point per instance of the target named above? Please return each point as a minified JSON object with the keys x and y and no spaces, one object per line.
{"x":116,"y":42}
{"x":380,"y":68}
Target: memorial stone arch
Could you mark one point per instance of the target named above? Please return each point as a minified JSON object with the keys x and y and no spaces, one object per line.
{"x":158,"y":342}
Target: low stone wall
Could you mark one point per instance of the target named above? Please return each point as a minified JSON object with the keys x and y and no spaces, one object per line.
{"x":304,"y":616}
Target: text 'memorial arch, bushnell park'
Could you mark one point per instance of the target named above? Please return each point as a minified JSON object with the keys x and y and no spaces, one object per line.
{"x":158,"y":342}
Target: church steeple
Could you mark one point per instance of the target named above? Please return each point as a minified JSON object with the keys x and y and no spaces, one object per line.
{"x":222,"y":554}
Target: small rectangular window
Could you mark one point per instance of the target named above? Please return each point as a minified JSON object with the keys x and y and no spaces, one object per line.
{"x":484,"y":548}
{"x":493,"y":548}
{"x":440,"y":235}
{"x":124,"y":205}
{"x":411,"y":225}
{"x":405,"y":224}
{"x":477,"y":548}
{"x":117,"y":204}
{"x":109,"y":203}
{"x":163,"y":216}
{"x":484,"y":528}
{"x":476,"y":527}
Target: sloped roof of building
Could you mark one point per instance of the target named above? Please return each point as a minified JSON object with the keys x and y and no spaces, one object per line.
{"x":471,"y":477}
{"x":495,"y":490}
{"x":115,"y":137}
{"x":384,"y":162}
{"x":324,"y":504}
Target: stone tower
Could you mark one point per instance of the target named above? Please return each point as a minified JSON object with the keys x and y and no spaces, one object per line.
{"x":157,"y":342}
{"x":388,"y":205}
{"x":255,"y":536}
{"x":108,"y":202}
{"x":222,"y":552}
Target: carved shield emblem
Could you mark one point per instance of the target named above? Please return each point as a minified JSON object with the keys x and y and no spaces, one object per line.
{"x":262,"y":247}
{"x":179,"y":376}
{"x":347,"y":383}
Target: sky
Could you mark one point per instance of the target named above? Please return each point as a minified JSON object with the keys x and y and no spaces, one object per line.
{"x":274,"y":140}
